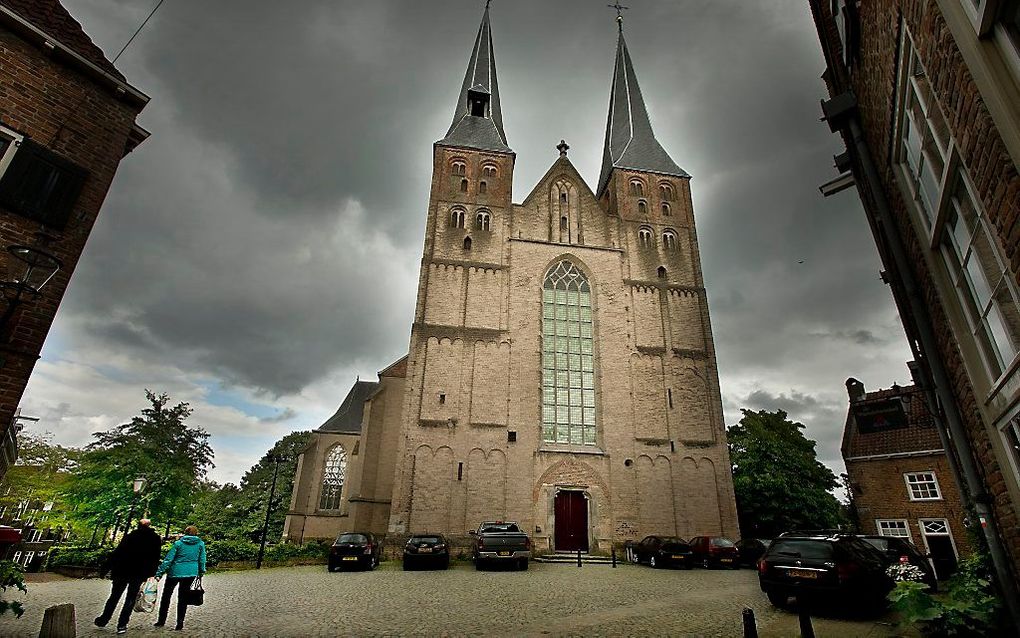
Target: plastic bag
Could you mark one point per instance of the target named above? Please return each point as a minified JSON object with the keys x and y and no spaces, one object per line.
{"x":147,"y":594}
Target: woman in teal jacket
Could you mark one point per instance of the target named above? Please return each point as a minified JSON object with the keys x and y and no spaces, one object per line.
{"x":183,"y":564}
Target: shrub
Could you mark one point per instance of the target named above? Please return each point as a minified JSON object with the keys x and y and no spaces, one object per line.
{"x":970,"y":608}
{"x":229,"y":550}
{"x":11,"y":575}
{"x":79,"y":556}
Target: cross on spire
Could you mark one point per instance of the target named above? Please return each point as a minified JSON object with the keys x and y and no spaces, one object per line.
{"x":619,"y":12}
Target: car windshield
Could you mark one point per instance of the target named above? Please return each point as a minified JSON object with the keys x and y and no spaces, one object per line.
{"x":722,"y":542}
{"x":673,"y":544}
{"x":352,"y":538}
{"x":801,"y":548}
{"x":500,"y":527}
{"x":424,"y":539}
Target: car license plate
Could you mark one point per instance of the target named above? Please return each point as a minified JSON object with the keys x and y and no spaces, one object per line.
{"x":725,"y":560}
{"x":503,"y":553}
{"x":803,"y":573}
{"x":425,"y":550}
{"x":350,"y":558}
{"x":677,"y":557}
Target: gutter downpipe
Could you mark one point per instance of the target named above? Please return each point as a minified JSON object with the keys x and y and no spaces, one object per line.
{"x":956,"y":434}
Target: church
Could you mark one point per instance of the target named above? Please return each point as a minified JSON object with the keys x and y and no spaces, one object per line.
{"x":561,"y":370}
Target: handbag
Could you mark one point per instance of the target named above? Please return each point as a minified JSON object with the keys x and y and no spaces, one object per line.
{"x":145,"y":601}
{"x":195,"y":593}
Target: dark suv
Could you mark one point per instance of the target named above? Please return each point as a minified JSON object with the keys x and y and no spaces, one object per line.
{"x":663,"y":551}
{"x":900,"y":550}
{"x":354,"y":549}
{"x":832,"y":565}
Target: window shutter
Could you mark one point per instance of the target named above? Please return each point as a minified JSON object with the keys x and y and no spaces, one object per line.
{"x":41,"y":185}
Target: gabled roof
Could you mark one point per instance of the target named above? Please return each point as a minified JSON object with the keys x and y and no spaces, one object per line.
{"x":630,"y":142}
{"x":50,"y":17}
{"x":347,"y":419}
{"x":469,"y":131}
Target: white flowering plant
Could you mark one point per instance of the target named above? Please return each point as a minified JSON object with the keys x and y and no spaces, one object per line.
{"x":905,"y":572}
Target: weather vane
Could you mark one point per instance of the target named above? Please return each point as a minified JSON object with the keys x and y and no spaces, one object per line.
{"x":619,"y":12}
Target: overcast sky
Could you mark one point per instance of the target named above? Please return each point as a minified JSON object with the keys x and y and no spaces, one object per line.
{"x":260,"y":251}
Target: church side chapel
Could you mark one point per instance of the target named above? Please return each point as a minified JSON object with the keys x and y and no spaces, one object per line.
{"x":561,"y":371}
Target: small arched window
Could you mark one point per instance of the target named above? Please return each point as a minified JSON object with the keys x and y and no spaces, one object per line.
{"x":666,"y":192}
{"x":642,"y":207}
{"x":662,"y":272}
{"x":334,"y":472}
{"x":489,"y":171}
{"x":669,"y":240}
{"x":637,"y":187}
{"x":666,"y":210}
{"x":463,"y":185}
{"x":645,"y":237}
{"x":483,"y":188}
{"x":458,"y":168}
{"x":482,"y":221}
{"x":457,"y":218}
{"x":467,"y":243}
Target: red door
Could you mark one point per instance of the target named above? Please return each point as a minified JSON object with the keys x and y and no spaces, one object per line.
{"x":571,"y":522}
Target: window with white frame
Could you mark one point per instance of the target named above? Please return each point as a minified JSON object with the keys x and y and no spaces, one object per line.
{"x":17,"y":557}
{"x":935,"y":526}
{"x":960,"y":232}
{"x":1011,"y":432}
{"x":922,"y":486}
{"x":893,"y":527}
{"x":28,"y":558}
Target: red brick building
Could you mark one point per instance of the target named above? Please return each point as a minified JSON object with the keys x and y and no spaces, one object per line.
{"x":900,"y":476}
{"x":926,"y":96}
{"x":67,"y":118}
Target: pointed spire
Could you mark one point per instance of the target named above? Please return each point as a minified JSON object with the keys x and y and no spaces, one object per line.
{"x":478,"y":121}
{"x":630,"y":142}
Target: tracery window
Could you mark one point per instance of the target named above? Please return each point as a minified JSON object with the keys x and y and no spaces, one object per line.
{"x":669,"y":240}
{"x":645,"y":237}
{"x":482,"y":221}
{"x":333,"y":475}
{"x":568,"y":359}
{"x":457,"y":218}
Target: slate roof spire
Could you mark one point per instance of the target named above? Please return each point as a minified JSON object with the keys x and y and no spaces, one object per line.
{"x":630,"y":142}
{"x":478,"y":121}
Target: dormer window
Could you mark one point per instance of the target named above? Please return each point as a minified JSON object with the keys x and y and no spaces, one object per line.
{"x":478,"y":103}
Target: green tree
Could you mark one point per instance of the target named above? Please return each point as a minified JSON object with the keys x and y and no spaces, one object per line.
{"x":250,"y":505}
{"x":778,"y":481}
{"x":157,"y":445}
{"x":35,"y":485}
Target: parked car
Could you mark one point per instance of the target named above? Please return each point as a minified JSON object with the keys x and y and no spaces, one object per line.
{"x":354,"y":549}
{"x":900,"y":550}
{"x":714,"y":551}
{"x":750,"y":551}
{"x":500,"y":542}
{"x":838,"y":566}
{"x":426,"y":550}
{"x":663,"y":551}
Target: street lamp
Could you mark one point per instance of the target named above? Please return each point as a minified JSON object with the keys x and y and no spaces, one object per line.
{"x":137,"y":486}
{"x":40,"y":267}
{"x":269,"y":508}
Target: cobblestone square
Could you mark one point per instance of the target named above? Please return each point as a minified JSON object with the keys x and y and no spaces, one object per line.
{"x":547,"y":600}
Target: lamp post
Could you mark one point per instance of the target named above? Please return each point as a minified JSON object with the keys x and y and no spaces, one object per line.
{"x":269,"y":508}
{"x":137,"y":486}
{"x":40,"y":267}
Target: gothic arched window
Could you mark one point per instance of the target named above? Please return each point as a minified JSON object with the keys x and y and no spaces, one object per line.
{"x":568,"y":357}
{"x":662,"y":272}
{"x":457,"y":218}
{"x":645,"y":237}
{"x":669,"y":240}
{"x":642,"y":207}
{"x":482,"y":221}
{"x":333,"y":474}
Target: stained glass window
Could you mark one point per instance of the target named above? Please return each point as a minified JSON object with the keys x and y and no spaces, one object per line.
{"x":568,"y":360}
{"x":333,"y":478}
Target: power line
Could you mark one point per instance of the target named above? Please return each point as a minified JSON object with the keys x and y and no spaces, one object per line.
{"x":139,"y":30}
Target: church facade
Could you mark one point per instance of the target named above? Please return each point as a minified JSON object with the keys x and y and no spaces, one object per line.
{"x":561,"y":369}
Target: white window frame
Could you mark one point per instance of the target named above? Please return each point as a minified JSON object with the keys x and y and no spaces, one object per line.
{"x":910,"y":485}
{"x":901,"y":521}
{"x":15,"y":140}
{"x":943,"y":147}
{"x":28,"y":559}
{"x":17,"y":557}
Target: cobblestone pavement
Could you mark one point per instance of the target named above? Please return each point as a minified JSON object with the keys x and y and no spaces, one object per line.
{"x":547,"y":600}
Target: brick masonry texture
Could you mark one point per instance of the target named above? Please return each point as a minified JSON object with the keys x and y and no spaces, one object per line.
{"x":60,"y":108}
{"x":992,"y":171}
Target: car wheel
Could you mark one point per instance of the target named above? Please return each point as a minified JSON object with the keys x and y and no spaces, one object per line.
{"x":654,"y":564}
{"x":407,"y":565}
{"x":446,"y":564}
{"x":524,"y":565}
{"x":478,"y":565}
{"x":777,"y":598}
{"x":331,"y":568}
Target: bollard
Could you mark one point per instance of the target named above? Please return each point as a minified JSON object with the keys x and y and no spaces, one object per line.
{"x":58,"y":622}
{"x":614,"y":556}
{"x":578,"y":558}
{"x":750,"y":627}
{"x":806,"y":630}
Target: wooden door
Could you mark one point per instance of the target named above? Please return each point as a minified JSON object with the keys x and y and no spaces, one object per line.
{"x":571,"y":522}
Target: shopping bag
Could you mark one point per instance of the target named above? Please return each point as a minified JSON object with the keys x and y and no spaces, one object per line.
{"x":195,"y":594}
{"x":145,"y":601}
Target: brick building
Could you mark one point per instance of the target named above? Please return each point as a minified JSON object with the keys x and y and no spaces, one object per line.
{"x":561,"y":370}
{"x":926,"y":96}
{"x":900,"y":476}
{"x":67,"y":118}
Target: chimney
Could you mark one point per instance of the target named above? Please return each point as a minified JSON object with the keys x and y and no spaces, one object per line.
{"x":855,"y":389}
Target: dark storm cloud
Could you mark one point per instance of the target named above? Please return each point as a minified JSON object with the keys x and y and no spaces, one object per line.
{"x":269,"y":232}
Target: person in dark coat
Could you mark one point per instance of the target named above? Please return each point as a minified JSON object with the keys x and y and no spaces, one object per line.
{"x":133,"y":562}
